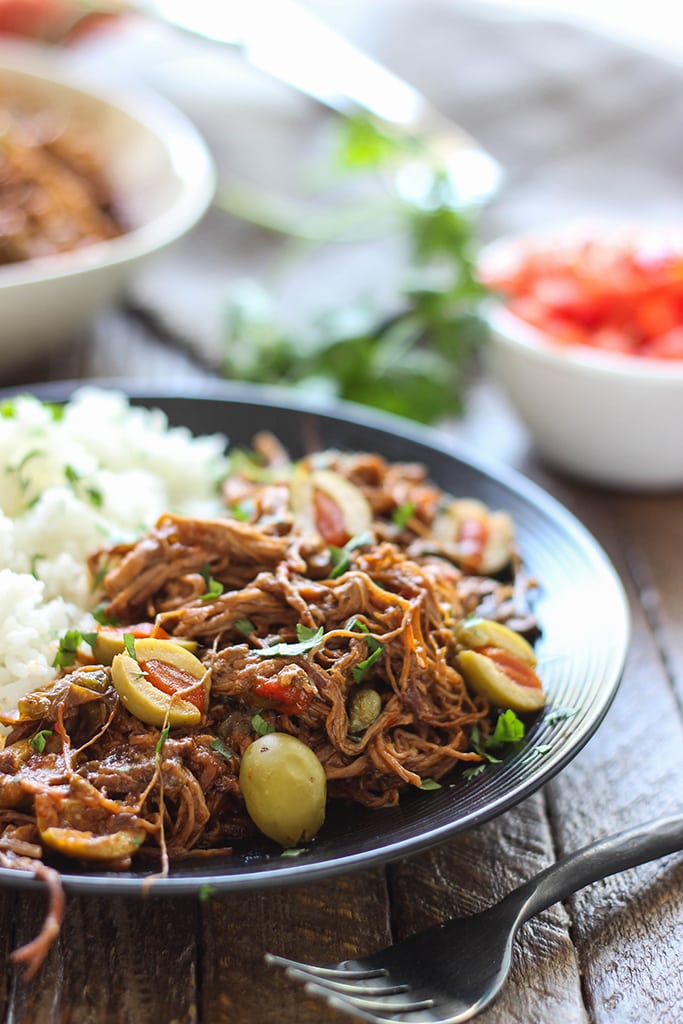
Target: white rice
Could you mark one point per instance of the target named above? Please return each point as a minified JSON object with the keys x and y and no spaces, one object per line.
{"x":101,"y":473}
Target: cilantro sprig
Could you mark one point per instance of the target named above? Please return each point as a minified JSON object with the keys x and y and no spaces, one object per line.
{"x":39,"y":741}
{"x":69,"y":646}
{"x":375,"y":651}
{"x":341,"y":557}
{"x":307,"y":639}
{"x":214,"y":588}
{"x":413,"y":354}
{"x":260,"y":726}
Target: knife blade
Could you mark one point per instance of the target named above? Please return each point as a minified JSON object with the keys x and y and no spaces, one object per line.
{"x":293,"y":45}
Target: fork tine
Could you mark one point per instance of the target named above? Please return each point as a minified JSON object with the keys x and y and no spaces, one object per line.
{"x":324,"y":971}
{"x":371,"y":1003}
{"x":383,"y":1016}
{"x":351,"y":988}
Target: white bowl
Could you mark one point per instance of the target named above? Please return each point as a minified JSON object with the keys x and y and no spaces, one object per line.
{"x":160,"y":173}
{"x":615,"y":420}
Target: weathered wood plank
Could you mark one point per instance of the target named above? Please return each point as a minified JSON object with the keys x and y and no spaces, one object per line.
{"x":331,"y":920}
{"x":117,"y":961}
{"x":628,"y":929}
{"x":653,"y":539}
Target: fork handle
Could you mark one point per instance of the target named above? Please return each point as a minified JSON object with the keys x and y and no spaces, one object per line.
{"x":599,"y":860}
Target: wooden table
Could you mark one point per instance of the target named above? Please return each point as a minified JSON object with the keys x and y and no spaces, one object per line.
{"x":613,"y":953}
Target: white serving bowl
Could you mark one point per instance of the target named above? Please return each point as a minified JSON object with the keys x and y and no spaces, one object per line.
{"x":612,"y":419}
{"x":160,"y":173}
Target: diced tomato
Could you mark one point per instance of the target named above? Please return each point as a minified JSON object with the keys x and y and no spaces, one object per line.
{"x":289,"y":698}
{"x":140,"y":631}
{"x":171,"y":679}
{"x":50,"y":20}
{"x":602,"y":293}
{"x":665,"y":346}
{"x":329,"y":519}
{"x":519,"y":671}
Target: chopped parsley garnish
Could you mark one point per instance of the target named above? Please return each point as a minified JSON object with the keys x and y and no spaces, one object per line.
{"x":375,"y":650}
{"x":213,"y":587}
{"x":245,"y":626}
{"x":24,"y":482}
{"x":402,"y":514}
{"x":206,"y":891}
{"x":509,"y":729}
{"x":260,"y":726}
{"x":341,"y":557}
{"x":100,"y":615}
{"x":241,"y":512}
{"x":559,"y":715}
{"x":93,"y":494}
{"x":220,"y":748}
{"x":68,"y":649}
{"x":129,"y":644}
{"x":33,"y":569}
{"x":39,"y":741}
{"x":308,"y":639}
{"x":162,"y":739}
{"x":429,"y":784}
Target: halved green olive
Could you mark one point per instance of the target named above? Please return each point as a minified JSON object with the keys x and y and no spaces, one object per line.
{"x":476,"y":633}
{"x":347,"y":511}
{"x":284,"y":788}
{"x":506,"y":681}
{"x":163,"y":685}
{"x":109,"y":641}
{"x":72,"y":842}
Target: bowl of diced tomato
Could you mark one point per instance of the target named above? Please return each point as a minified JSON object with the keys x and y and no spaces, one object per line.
{"x":586,"y":340}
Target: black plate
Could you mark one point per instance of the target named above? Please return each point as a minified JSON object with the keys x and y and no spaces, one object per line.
{"x":581,"y":606}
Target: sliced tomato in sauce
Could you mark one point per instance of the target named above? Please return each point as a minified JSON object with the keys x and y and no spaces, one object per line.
{"x":329,"y":519}
{"x":516,"y":669}
{"x":172,"y":680}
{"x":290,"y":699}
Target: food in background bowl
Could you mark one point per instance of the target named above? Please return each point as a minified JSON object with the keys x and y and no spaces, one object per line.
{"x":156,"y":169}
{"x":584,"y":342}
{"x":54,"y":191}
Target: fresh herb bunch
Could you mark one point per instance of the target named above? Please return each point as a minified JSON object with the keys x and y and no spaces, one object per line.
{"x":415,"y":362}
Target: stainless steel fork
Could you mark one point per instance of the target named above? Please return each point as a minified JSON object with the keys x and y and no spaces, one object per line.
{"x":450,"y":972}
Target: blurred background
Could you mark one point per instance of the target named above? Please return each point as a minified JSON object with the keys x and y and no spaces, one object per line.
{"x":580,"y":104}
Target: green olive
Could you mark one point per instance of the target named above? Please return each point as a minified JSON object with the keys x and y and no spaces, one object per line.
{"x":86,"y":846}
{"x":133,"y":678}
{"x":109,"y":642}
{"x":491,"y":680}
{"x":477,"y":633}
{"x":365,"y":705}
{"x":355,"y":514}
{"x":284,"y":788}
